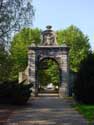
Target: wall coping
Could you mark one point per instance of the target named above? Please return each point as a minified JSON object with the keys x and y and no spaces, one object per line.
{"x":48,"y":47}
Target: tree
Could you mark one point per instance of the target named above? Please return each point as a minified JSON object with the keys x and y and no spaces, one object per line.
{"x":84,"y":82}
{"x":19,"y":49}
{"x":14,"y":15}
{"x":48,"y":72}
{"x":4,"y":64}
{"x":78,"y":43}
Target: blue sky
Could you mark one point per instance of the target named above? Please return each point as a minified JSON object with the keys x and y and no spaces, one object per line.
{"x":62,"y":13}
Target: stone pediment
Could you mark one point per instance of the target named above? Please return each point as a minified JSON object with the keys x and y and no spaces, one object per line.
{"x":48,"y":37}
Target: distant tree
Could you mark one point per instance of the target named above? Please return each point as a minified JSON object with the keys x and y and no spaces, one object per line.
{"x":48,"y":72}
{"x":78,"y":43}
{"x":19,"y":49}
{"x":14,"y":15}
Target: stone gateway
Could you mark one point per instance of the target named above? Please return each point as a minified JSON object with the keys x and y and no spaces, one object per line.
{"x":49,"y":49}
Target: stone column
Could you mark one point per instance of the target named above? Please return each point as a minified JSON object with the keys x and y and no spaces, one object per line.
{"x":64,"y":89}
{"x":32,"y":69}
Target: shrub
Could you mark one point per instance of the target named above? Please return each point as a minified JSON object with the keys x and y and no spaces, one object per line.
{"x":84,"y":83}
{"x":13,"y":93}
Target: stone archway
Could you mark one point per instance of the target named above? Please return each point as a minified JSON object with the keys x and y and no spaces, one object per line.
{"x":49,"y":49}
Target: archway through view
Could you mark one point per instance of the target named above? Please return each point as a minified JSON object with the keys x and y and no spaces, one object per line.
{"x":49,"y":78}
{"x":39,"y":71}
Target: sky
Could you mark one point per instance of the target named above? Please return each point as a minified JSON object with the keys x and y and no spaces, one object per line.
{"x":60,"y":14}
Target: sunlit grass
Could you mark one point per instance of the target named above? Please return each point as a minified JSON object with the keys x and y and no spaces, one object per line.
{"x":86,"y":110}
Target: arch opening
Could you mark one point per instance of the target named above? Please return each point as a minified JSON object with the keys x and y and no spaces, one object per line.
{"x":49,"y":75}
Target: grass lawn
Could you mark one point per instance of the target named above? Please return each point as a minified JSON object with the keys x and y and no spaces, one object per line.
{"x":86,"y":110}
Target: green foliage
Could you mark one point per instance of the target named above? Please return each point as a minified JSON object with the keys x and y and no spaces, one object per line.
{"x":14,"y":15}
{"x":86,"y":110}
{"x":78,"y":43}
{"x":84,"y":82}
{"x":4,"y":64}
{"x":19,"y":49}
{"x":74,"y":38}
{"x":14,"y":93}
{"x":48,"y":72}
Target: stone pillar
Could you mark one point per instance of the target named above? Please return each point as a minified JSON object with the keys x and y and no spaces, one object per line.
{"x":64,"y":89}
{"x":32,"y":69}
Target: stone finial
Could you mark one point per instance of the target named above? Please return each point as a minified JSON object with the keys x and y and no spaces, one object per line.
{"x":49,"y":27}
{"x":64,"y":45}
{"x":33,"y":43}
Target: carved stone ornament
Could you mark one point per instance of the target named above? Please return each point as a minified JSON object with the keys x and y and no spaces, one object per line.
{"x":48,"y":37}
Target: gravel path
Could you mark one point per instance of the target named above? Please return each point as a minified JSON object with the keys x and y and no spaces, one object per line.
{"x":46,"y":110}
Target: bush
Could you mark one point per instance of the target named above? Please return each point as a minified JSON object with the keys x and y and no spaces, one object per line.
{"x":13,"y":93}
{"x":84,"y":83}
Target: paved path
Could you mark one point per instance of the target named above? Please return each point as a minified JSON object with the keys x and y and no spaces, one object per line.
{"x":46,"y":110}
